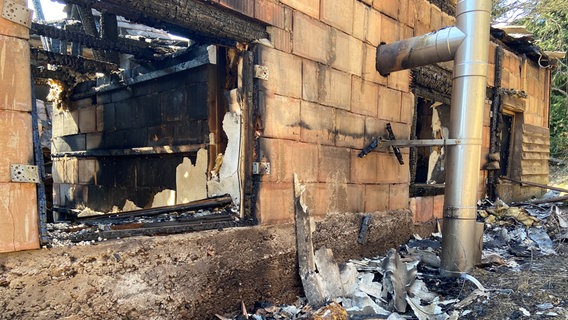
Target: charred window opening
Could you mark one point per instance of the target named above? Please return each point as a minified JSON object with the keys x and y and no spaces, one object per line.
{"x":432,"y":90}
{"x":147,"y":127}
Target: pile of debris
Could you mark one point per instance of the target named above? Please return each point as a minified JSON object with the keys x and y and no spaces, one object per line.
{"x":406,"y":283}
{"x":212,"y":213}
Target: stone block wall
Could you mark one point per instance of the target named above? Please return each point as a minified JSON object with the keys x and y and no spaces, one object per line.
{"x":134,"y":138}
{"x":325,"y":101}
{"x":18,"y":204}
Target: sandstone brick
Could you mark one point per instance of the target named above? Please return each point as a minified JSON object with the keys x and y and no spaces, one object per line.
{"x":280,"y":116}
{"x":370,"y":72}
{"x":435,"y":17}
{"x":245,"y":7}
{"x":390,"y":102}
{"x":88,"y":171}
{"x":18,"y":217}
{"x":15,"y":141}
{"x":326,"y":86}
{"x":270,"y":12}
{"x":355,"y":198}
{"x":275,"y":203}
{"x":491,"y":54}
{"x":12,"y":29}
{"x":309,"y":7}
{"x":347,"y":53}
{"x":65,"y":123}
{"x":389,"y":170}
{"x":364,"y":97}
{"x":317,"y":199}
{"x":360,"y":20}
{"x":447,"y":20}
{"x":285,"y":72}
{"x":350,"y":129}
{"x":100,"y":116}
{"x":490,"y":75}
{"x":15,"y":86}
{"x":388,"y":7}
{"x":374,"y":128}
{"x":318,"y":123}
{"x":403,"y":11}
{"x":423,"y":11}
{"x":94,"y":141}
{"x":311,"y":38}
{"x":280,"y":38}
{"x":338,"y":13}
{"x":297,"y":157}
{"x":377,"y":197}
{"x":390,"y":30}
{"x":401,"y":131}
{"x":438,"y":207}
{"x":407,"y":108}
{"x":411,"y":14}
{"x":70,"y":174}
{"x":424,"y":207}
{"x":87,"y":119}
{"x":487,"y":114}
{"x":374,"y":30}
{"x":398,"y":196}
{"x":334,"y":164}
{"x":57,"y":170}
{"x":329,"y":197}
{"x":406,"y":32}
{"x":363,"y":170}
{"x":400,"y":80}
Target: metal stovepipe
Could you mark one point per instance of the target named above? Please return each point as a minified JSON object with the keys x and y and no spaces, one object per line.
{"x":460,"y":236}
{"x":468,"y":45}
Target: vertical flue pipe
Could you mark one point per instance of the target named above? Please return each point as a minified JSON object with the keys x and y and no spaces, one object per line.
{"x":459,"y":241}
{"x":468,"y":45}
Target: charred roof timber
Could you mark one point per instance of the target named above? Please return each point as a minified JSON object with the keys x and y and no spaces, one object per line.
{"x":191,"y":18}
{"x":137,"y":48}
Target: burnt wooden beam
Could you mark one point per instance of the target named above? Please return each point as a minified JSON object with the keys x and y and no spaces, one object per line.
{"x":89,"y":26}
{"x":216,"y":202}
{"x":136,"y":48}
{"x":109,"y":32}
{"x":79,"y":64}
{"x":192,"y":18}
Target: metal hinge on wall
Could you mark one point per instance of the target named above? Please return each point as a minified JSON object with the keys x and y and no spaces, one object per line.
{"x":17,"y":13}
{"x":260,"y":72}
{"x":24,"y":173}
{"x":261,"y":168}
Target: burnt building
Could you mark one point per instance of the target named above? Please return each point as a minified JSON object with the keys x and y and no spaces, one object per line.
{"x":255,"y":92}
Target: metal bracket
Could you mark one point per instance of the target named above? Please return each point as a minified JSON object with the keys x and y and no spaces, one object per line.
{"x":420,"y":143}
{"x":17,"y":13}
{"x":24,"y":173}
{"x":261,"y":168}
{"x":260,"y":72}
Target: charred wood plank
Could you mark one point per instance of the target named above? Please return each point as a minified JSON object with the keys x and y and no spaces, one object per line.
{"x":136,"y":48}
{"x":79,"y":64}
{"x":89,"y":26}
{"x":109,"y":32}
{"x":192,"y":18}
{"x":160,"y":228}
{"x":191,"y":206}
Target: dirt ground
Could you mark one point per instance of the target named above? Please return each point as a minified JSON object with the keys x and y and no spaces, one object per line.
{"x":542,"y":281}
